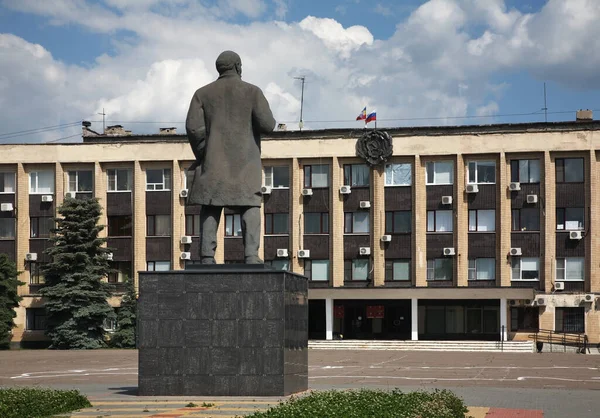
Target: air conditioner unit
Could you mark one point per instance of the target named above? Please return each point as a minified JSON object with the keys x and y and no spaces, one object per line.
{"x":446,"y":200}
{"x":589,"y":297}
{"x":541,"y":301}
{"x":303,"y":253}
{"x":513,"y":302}
{"x":6,"y":207}
{"x":109,"y":256}
{"x":532,"y":198}
{"x":282,"y":252}
{"x":449,"y":251}
{"x":364,"y":251}
{"x":559,"y":286}
{"x":186,"y":256}
{"x":183,"y":193}
{"x":72,"y":195}
{"x":265,"y":190}
{"x":307,"y":192}
{"x":471,"y":188}
{"x":47,"y":198}
{"x":31,"y":256}
{"x":386,"y":238}
{"x":364,"y":204}
{"x":575,"y":235}
{"x":515,"y":251}
{"x":186,"y":240}
{"x":514,"y":186}
{"x":345,"y":190}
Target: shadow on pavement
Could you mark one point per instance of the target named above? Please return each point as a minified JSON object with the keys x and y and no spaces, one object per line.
{"x":126,"y":390}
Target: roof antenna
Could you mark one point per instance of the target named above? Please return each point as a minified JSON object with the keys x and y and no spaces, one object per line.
{"x":545,"y":108}
{"x":103,"y":121}
{"x":302,"y":78}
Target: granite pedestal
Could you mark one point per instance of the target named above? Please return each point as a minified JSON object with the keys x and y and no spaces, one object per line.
{"x":222,"y":331}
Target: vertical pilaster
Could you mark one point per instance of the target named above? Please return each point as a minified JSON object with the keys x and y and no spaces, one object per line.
{"x":336,"y":220}
{"x":100,"y":194}
{"x":59,"y":182}
{"x":461,"y":226}
{"x":296,"y":210}
{"x":220,"y":251}
{"x":503,"y":223}
{"x":329,"y":319}
{"x":549,"y":212}
{"x":414,"y":319}
{"x":378,"y":213}
{"x":503,"y":321}
{"x":139,"y":220}
{"x":22,"y":235}
{"x":178,"y":215}
{"x":593,"y":227}
{"x":420,"y":227}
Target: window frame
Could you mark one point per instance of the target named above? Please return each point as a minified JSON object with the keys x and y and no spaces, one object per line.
{"x":350,"y":267}
{"x":562,"y":213}
{"x":477,"y":225}
{"x":121,"y":218}
{"x":34,"y":222}
{"x":234,"y":233}
{"x":435,"y":221}
{"x":349,"y":175}
{"x":282,"y":260}
{"x":308,"y":175}
{"x":129,"y":174}
{"x":565,"y":267}
{"x":323,"y":220}
{"x":517,"y":322}
{"x":476,"y":172}
{"x":76,"y":173}
{"x":3,"y":182}
{"x":13,"y":228}
{"x":516,"y":174}
{"x":390,"y":268}
{"x":193,"y":226}
{"x":520,"y":217}
{"x":33,"y":319}
{"x":308,"y":270}
{"x":37,"y":181}
{"x":349,"y":227}
{"x":151,"y":226}
{"x":271,"y":176}
{"x":520,"y":278}
{"x":392,"y":184}
{"x":118,"y":273}
{"x":36,"y":275}
{"x":564,"y":311}
{"x":390,"y":222}
{"x":153,"y":264}
{"x":270,"y":223}
{"x":166,"y":183}
{"x":431,"y":277}
{"x":434,"y":182}
{"x":473,"y":269}
{"x":562,"y":163}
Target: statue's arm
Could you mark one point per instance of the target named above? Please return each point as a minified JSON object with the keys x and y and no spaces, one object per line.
{"x":262,"y":117}
{"x":196,"y":128}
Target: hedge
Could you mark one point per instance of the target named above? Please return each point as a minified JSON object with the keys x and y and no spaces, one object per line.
{"x":39,"y":402}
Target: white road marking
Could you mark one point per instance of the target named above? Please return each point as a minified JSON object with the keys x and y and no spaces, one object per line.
{"x":449,"y":378}
{"x":65,"y":373}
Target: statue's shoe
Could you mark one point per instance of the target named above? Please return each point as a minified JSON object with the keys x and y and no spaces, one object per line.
{"x":253,"y":260}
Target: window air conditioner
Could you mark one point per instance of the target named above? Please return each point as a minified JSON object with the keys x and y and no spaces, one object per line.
{"x":446,"y":200}
{"x":109,"y":256}
{"x":514,"y":186}
{"x":386,"y":238}
{"x":303,"y":253}
{"x":186,"y":240}
{"x":559,"y":286}
{"x":532,"y":198}
{"x":541,"y":302}
{"x":345,"y":190}
{"x":31,"y":256}
{"x":471,"y":188}
{"x":186,"y":256}
{"x":449,"y":251}
{"x":183,"y":193}
{"x":515,"y":251}
{"x":72,"y":195}
{"x":47,"y":198}
{"x":589,"y":297}
{"x":307,"y":192}
{"x":575,"y":235}
{"x":364,"y":204}
{"x":514,"y":302}
{"x":282,"y":252}
{"x":6,"y":207}
{"x":265,"y":190}
{"x":364,"y":251}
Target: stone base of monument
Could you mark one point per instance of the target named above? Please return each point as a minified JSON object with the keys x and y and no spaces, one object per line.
{"x":222,"y":330}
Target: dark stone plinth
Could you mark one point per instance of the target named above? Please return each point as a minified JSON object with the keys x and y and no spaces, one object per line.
{"x":222,"y":332}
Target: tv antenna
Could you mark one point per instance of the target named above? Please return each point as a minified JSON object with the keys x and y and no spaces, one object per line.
{"x":103,"y":121}
{"x":303,"y":79}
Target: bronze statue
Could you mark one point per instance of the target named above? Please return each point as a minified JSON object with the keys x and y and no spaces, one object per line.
{"x":224,"y":123}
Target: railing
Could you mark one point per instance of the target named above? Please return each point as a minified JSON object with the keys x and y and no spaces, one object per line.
{"x":566,"y":339}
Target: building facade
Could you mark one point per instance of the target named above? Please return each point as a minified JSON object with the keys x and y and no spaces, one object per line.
{"x":478,"y":232}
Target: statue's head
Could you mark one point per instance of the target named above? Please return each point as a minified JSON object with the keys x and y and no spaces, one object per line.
{"x":229,"y":61}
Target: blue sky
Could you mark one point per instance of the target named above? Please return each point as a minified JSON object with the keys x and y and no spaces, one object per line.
{"x":65,"y":60}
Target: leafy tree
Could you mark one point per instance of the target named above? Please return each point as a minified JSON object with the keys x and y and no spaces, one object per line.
{"x":9,"y":299}
{"x":76,"y":296}
{"x":125,"y":335}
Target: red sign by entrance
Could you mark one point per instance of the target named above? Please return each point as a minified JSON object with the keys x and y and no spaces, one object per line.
{"x":375,"y":311}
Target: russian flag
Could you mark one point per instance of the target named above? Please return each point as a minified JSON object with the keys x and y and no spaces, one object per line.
{"x":372,"y":116}
{"x":363,"y":114}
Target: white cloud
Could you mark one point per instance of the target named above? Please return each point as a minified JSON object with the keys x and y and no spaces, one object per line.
{"x":335,"y":36}
{"x":382,"y":10}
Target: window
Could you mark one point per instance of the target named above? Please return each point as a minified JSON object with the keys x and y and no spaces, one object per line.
{"x":80,"y":181}
{"x":278,"y":177}
{"x":482,"y":220}
{"x":120,"y":226}
{"x":356,"y":222}
{"x":316,"y":223}
{"x":398,"y":222}
{"x":526,"y":219}
{"x":439,"y":221}
{"x":122,"y":269}
{"x":277,"y":223}
{"x":356,"y":270}
{"x":570,"y":269}
{"x":7,"y":228}
{"x":36,"y":274}
{"x":569,"y":320}
{"x":482,"y":269}
{"x":481,"y":172}
{"x":570,"y":218}
{"x":569,"y":170}
{"x":397,"y":270}
{"x":158,"y":266}
{"x":279,"y":264}
{"x":110,"y":324}
{"x":119,"y":180}
{"x":158,"y":179}
{"x":192,"y":225}
{"x":41,"y":182}
{"x":36,"y":319}
{"x":525,"y":171}
{"x":440,"y":172}
{"x":316,"y":176}
{"x":398,"y":174}
{"x":356,"y":175}
{"x":525,"y":319}
{"x":7,"y":182}
{"x":41,"y":227}
{"x":439,"y":269}
{"x":233,"y":225}
{"x":525,"y":268}
{"x":158,"y":225}
{"x":316,"y":270}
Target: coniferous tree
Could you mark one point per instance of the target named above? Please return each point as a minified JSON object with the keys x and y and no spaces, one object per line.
{"x":76,"y":296}
{"x":9,"y":299}
{"x":125,"y":335}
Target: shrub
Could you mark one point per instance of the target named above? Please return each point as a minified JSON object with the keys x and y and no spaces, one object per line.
{"x":39,"y":402}
{"x":369,"y":403}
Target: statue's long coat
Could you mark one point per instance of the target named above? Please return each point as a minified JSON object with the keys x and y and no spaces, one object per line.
{"x":224,"y":123}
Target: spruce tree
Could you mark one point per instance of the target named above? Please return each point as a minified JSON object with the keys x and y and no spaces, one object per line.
{"x":76,"y":296}
{"x":9,"y":299}
{"x":125,"y":335}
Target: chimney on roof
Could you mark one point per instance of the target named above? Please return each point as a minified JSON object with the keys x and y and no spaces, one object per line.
{"x":167,"y":131}
{"x":585,"y":115}
{"x":116,"y":130}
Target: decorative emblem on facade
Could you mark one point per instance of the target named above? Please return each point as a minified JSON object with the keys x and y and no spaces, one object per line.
{"x":375,"y":147}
